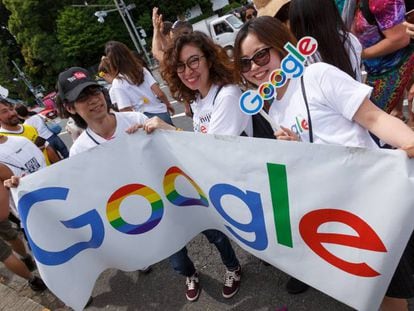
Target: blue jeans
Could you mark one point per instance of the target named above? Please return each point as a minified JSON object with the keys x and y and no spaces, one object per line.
{"x":184,"y":266}
{"x":58,"y":145}
{"x":165,"y":116}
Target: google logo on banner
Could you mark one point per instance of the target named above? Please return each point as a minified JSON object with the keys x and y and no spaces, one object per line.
{"x":363,"y":237}
{"x":292,"y":66}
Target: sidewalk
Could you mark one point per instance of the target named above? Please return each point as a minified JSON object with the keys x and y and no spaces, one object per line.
{"x":10,"y":300}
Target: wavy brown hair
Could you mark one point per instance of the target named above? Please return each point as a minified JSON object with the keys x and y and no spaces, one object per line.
{"x":269,"y":31}
{"x":220,"y":66}
{"x":124,"y":62}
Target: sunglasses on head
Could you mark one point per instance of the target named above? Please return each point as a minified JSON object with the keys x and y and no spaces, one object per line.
{"x":260,"y":58}
{"x":192,"y":62}
{"x":88,"y":92}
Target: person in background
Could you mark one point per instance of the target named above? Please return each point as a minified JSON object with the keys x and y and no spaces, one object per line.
{"x":274,"y":8}
{"x":133,"y":87}
{"x":18,"y":156}
{"x":387,"y":55}
{"x":338,"y":111}
{"x":336,"y":45}
{"x":161,"y":40}
{"x":10,"y":126}
{"x":38,"y":122}
{"x":248,"y":12}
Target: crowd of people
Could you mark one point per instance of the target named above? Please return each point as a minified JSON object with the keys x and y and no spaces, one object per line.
{"x":338,"y":105}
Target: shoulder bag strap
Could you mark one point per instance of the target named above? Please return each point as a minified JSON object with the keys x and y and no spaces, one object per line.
{"x":302,"y":84}
{"x":218,"y":91}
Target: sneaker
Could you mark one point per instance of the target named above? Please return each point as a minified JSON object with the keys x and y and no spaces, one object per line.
{"x":294,"y":286}
{"x":231,"y":282}
{"x":29,"y":262}
{"x":193,"y":287}
{"x":37,"y":284}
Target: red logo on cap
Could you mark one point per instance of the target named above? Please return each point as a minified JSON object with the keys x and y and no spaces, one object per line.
{"x":79,"y":75}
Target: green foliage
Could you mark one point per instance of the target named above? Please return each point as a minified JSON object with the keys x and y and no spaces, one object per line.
{"x":83,"y":38}
{"x":52,"y":35}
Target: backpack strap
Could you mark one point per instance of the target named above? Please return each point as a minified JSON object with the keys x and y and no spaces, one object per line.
{"x":302,"y":84}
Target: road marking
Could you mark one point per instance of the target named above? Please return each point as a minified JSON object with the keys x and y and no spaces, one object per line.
{"x":178,"y":115}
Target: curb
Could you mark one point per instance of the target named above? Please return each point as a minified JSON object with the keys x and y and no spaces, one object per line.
{"x":10,"y":300}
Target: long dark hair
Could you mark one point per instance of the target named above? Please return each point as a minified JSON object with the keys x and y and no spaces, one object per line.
{"x":124,"y":62}
{"x":321,"y":20}
{"x":220,"y":70}
{"x":269,"y":31}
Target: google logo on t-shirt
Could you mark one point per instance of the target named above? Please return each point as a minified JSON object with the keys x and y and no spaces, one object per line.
{"x":292,"y":66}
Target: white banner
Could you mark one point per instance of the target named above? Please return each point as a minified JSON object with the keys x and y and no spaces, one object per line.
{"x":337,"y":218}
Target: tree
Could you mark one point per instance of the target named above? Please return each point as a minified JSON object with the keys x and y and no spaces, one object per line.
{"x":83,"y":38}
{"x":33,"y":23}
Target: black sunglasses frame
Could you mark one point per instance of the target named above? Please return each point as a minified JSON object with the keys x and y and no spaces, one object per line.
{"x":246,"y":63}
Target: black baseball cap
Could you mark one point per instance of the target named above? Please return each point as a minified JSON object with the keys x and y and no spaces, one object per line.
{"x":73,"y":81}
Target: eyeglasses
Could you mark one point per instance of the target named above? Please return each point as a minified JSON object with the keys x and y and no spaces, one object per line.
{"x":250,"y":16}
{"x":260,"y":58}
{"x":193,"y":63}
{"x":88,"y":92}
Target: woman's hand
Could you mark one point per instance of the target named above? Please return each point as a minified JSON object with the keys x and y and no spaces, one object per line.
{"x":171,"y":109}
{"x":409,"y":29}
{"x":12,"y":182}
{"x":285,"y":134}
{"x":409,"y":150}
{"x":132,"y":129}
{"x":156,"y":19}
{"x":156,"y":123}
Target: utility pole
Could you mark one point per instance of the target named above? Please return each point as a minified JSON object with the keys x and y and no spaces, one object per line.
{"x":22,"y":76}
{"x":129,"y":23}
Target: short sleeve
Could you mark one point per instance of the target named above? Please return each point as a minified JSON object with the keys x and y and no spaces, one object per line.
{"x":387,"y":13}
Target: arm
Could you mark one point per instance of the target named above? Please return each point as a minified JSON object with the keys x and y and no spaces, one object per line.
{"x":158,"y":40}
{"x":155,"y":88}
{"x":52,"y":155}
{"x":388,"y":128}
{"x":395,"y":39}
{"x":126,"y":109}
{"x":5,"y":174}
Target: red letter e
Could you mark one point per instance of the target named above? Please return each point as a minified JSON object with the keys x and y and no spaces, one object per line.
{"x":366,"y":238}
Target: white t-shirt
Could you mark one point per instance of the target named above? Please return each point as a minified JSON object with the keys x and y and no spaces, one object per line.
{"x":354,"y":50}
{"x":89,"y":139}
{"x":140,"y":97}
{"x":21,"y":155}
{"x":222,"y":115}
{"x":37,"y":122}
{"x":333,"y":98}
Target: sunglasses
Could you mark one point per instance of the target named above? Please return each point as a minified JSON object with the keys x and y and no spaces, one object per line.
{"x":260,"y":58}
{"x":250,"y":16}
{"x":89,"y":92}
{"x":193,"y":63}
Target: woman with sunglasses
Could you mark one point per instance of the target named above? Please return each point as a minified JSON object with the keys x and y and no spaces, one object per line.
{"x":333,"y":107}
{"x":199,"y":71}
{"x":133,"y":87}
